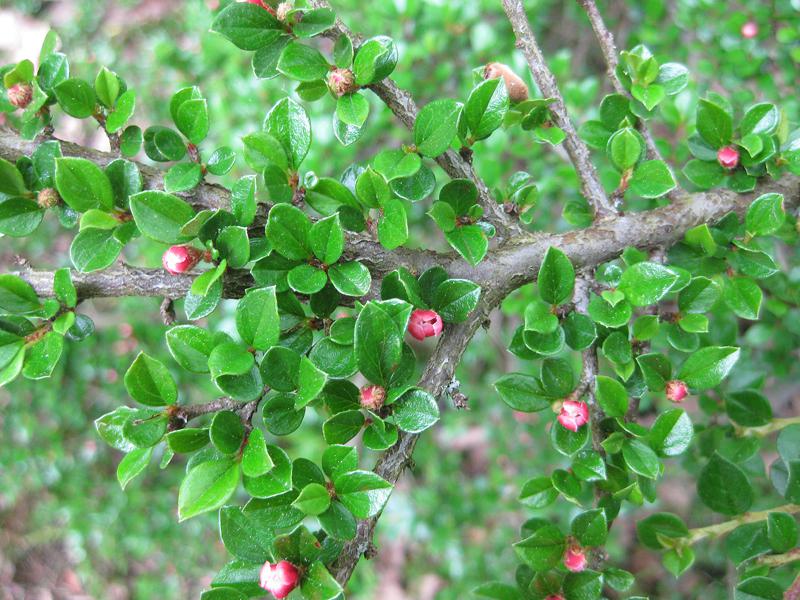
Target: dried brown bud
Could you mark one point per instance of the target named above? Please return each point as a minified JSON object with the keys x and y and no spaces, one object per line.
{"x":48,"y":198}
{"x":517,"y":90}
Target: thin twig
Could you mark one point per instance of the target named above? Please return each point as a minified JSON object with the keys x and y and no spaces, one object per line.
{"x":578,"y":151}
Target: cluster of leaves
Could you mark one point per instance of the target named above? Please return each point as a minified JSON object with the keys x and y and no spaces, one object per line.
{"x":714,"y":271}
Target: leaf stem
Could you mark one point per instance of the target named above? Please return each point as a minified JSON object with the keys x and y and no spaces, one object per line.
{"x":720,"y":529}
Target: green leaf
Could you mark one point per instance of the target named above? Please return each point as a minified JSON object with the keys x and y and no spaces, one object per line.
{"x":76,"y":97}
{"x":343,"y":426}
{"x":590,"y":528}
{"x":543,"y":550}
{"x":455,"y":299}
{"x":313,"y":500}
{"x":351,"y":278}
{"x":436,"y":127}
{"x":227,"y":432}
{"x":624,"y":149}
{"x":703,"y":174}
{"x":245,"y":537}
{"x":765,"y":215}
{"x":724,"y":487}
{"x":352,"y":109}
{"x":393,"y":224}
{"x":640,"y":458}
{"x":106,"y":86}
{"x":163,"y":144}
{"x":761,"y":118}
{"x":288,"y":123}
{"x":123,"y":111}
{"x":132,"y":465}
{"x":671,"y":433}
{"x":522,"y":392}
{"x":19,"y":217}
{"x":782,"y":531}
{"x":646,"y":283}
{"x":319,"y":584}
{"x":256,"y":460}
{"x":207,"y":487}
{"x":652,"y":179}
{"x":556,"y":277}
{"x":257,"y":319}
{"x":94,"y":249}
{"x":743,"y":297}
{"x":375,"y":60}
{"x":187,"y":440}
{"x":288,"y":230}
{"x":326,"y":239}
{"x":192,"y":119}
{"x":486,"y":108}
{"x":11,"y":181}
{"x":714,"y":125}
{"x":707,"y":367}
{"x":363,"y":492}
{"x":247,"y":26}
{"x":302,"y":63}
{"x":160,"y":216}
{"x":415,"y":411}
{"x":758,"y":588}
{"x":183,"y":177}
{"x":748,"y":408}
{"x":659,"y":527}
{"x":150,"y":383}
{"x":612,"y":396}
{"x":470,"y":242}
{"x":83,"y":185}
{"x":378,"y":344}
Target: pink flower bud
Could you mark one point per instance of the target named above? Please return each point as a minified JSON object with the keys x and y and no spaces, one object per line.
{"x":283,"y":11}
{"x":341,"y":82}
{"x":728,"y":157}
{"x":424,"y":324}
{"x":20,"y":94}
{"x":554,"y":597}
{"x":256,"y":2}
{"x":179,"y":259}
{"x":676,"y":390}
{"x":574,"y":414}
{"x":372,"y":397}
{"x":749,"y":30}
{"x":575,"y":559}
{"x":279,"y":579}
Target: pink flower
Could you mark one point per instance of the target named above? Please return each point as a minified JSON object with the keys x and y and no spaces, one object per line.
{"x":554,"y":597}
{"x":179,"y":259}
{"x":372,"y":397}
{"x":424,"y":324}
{"x":676,"y":390}
{"x":279,"y":579}
{"x":749,"y":30}
{"x":575,"y":559}
{"x":573,"y":414}
{"x":728,"y":157}
{"x":20,"y":94}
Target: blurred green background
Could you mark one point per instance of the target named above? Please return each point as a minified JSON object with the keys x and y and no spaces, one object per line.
{"x":68,"y":531}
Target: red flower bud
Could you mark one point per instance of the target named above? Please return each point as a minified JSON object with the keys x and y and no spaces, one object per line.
{"x":424,"y":324}
{"x":341,"y":82}
{"x":749,"y":30}
{"x":554,"y":597}
{"x":179,"y":259}
{"x":728,"y":157}
{"x":573,"y":415}
{"x":20,"y":94}
{"x":279,"y":579}
{"x":372,"y":397}
{"x":676,"y":390}
{"x":575,"y":559}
